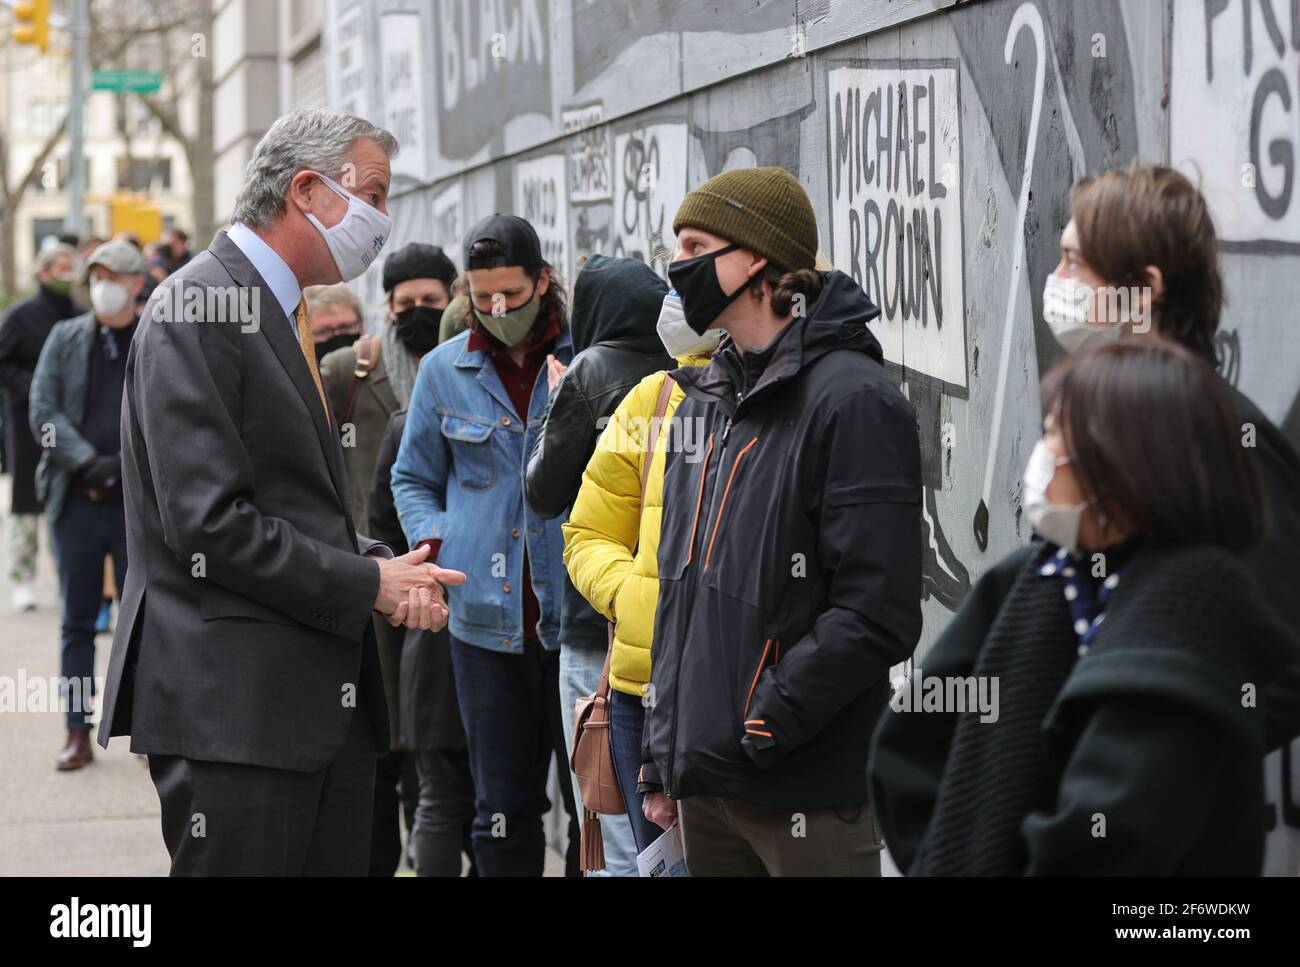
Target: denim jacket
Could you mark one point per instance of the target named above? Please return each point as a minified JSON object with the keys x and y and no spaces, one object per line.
{"x":459,"y":477}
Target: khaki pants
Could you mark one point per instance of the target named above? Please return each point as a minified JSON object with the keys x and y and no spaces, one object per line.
{"x":725,"y":837}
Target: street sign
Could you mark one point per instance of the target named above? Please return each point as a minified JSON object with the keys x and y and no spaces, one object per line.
{"x":135,"y":82}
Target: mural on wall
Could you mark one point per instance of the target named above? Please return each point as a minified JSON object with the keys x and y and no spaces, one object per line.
{"x":539,"y":196}
{"x":649,"y":183}
{"x":896,"y":216}
{"x":938,"y":153}
{"x":349,"y":63}
{"x":402,"y":80}
{"x":894,"y":154}
{"x":447,"y":225}
{"x":1240,"y":63}
{"x":493,"y":64}
{"x":602,"y":30}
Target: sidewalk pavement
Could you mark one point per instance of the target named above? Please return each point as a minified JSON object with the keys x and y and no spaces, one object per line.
{"x":101,"y":820}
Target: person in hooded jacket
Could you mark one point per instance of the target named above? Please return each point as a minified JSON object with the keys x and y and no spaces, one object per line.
{"x":790,"y":557}
{"x":611,"y":543}
{"x":616,"y":303}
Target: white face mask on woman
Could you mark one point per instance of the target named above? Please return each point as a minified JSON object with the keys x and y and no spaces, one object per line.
{"x":676,"y":333}
{"x":1058,"y":523}
{"x":1066,"y":308}
{"x":356,"y":240}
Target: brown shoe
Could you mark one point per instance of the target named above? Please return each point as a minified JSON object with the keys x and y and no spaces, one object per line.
{"x":76,"y":752}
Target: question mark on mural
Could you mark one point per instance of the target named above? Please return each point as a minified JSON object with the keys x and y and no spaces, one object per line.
{"x":1028,"y":18}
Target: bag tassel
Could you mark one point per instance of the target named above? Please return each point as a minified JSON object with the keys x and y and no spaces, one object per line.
{"x":591,"y":843}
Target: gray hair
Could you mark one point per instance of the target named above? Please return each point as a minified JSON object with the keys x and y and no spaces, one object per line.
{"x":309,"y":139}
{"x":324,"y":296}
{"x":46,"y":256}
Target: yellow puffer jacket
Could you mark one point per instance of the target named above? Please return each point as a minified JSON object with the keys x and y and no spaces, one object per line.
{"x":603,"y":526}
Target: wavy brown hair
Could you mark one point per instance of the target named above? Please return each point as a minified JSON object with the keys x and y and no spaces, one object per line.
{"x":1144,"y":215}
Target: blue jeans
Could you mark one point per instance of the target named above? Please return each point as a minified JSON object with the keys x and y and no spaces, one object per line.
{"x":510,"y":707}
{"x":626,"y":719}
{"x":579,"y":675}
{"x":86,"y":532}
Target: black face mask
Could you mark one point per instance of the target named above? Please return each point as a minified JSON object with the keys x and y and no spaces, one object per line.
{"x":323,"y":349}
{"x":696,"y":281}
{"x":417,"y":328}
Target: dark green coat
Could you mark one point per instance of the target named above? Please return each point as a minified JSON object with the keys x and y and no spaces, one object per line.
{"x":1149,"y":730}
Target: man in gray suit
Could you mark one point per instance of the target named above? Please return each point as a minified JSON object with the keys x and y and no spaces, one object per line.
{"x":244,"y":663}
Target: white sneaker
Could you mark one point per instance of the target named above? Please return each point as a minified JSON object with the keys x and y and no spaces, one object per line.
{"x":23,"y":599}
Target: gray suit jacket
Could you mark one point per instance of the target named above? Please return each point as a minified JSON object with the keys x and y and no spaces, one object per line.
{"x":245,"y":628}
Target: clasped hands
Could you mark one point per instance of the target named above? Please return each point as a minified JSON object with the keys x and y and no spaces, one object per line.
{"x":411,"y":591}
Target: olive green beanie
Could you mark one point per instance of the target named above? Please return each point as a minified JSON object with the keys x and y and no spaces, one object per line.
{"x":764,"y":210}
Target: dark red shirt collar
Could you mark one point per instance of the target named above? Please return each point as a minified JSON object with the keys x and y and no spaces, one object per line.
{"x":482,"y":341}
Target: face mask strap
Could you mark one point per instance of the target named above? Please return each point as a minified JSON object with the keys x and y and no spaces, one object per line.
{"x":711,"y":256}
{"x":747,"y":284}
{"x":334,"y":186}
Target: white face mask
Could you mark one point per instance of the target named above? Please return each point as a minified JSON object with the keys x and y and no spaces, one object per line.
{"x":1066,"y":307}
{"x":356,"y":240}
{"x":1058,"y":523}
{"x":107,"y":297}
{"x":677,"y":335}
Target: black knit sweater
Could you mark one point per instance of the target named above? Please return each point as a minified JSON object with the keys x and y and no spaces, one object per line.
{"x":1144,"y":756}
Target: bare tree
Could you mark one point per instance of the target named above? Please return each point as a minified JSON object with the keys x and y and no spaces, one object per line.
{"x":130,"y":24}
{"x":11,"y":197}
{"x":182,"y":32}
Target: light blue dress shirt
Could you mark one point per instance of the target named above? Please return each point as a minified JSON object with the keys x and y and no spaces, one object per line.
{"x":273,"y":269}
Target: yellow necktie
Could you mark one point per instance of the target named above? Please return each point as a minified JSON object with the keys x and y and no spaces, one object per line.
{"x":308,"y":347}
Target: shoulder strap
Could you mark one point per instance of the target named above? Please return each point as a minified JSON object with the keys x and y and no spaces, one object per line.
{"x":365,"y":363}
{"x":656,"y":423}
{"x":661,"y":407}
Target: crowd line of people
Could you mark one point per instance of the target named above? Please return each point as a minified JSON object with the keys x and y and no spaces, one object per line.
{"x":665,"y":535}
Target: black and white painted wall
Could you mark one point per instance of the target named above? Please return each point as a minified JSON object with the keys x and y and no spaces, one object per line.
{"x":938,"y":141}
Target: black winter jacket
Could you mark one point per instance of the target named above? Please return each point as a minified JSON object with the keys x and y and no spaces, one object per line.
{"x":1275,"y":563}
{"x":789,"y":565}
{"x":428,"y":712}
{"x":23,"y":332}
{"x":616,"y":303}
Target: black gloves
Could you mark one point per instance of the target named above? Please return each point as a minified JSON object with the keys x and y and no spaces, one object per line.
{"x":101,"y":472}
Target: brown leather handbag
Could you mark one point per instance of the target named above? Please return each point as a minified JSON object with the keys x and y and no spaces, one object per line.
{"x":593,"y":758}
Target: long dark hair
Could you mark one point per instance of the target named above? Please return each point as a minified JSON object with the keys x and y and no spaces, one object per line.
{"x":554,"y":301}
{"x":1153,"y":436}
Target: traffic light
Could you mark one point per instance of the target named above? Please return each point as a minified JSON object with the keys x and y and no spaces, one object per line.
{"x":34,"y":15}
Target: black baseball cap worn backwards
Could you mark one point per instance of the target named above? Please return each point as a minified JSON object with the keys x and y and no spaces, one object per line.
{"x":517,"y":238}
